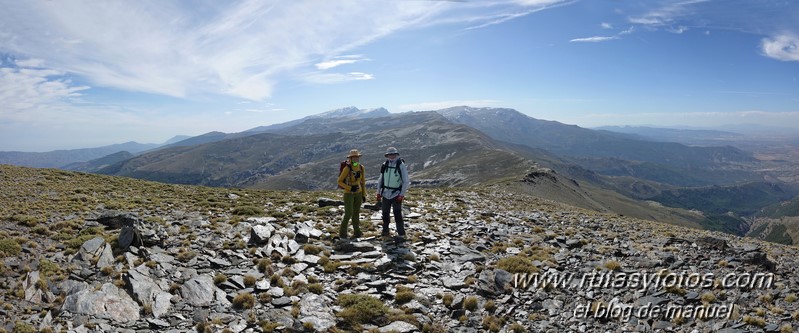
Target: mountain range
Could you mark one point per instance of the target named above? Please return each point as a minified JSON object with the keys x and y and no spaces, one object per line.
{"x":712,"y":187}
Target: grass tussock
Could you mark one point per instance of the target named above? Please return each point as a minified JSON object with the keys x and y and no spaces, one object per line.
{"x":359,"y":309}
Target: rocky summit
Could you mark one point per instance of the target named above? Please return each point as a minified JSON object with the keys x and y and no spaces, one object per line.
{"x":88,"y":253}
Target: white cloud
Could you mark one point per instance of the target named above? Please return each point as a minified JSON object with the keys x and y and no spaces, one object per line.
{"x":678,"y":30}
{"x":594,"y":39}
{"x":334,"y":63}
{"x":242,"y":49}
{"x":627,"y":31}
{"x":606,"y":25}
{"x":531,"y":6}
{"x":427,"y":106}
{"x":331,"y":78}
{"x":782,"y":47}
{"x":537,"y":3}
{"x":666,"y":14}
{"x":181,"y":49}
{"x":24,"y":88}
{"x":340,"y":60}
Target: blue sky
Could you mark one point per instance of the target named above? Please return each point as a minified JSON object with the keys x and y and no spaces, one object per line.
{"x":77,"y":74}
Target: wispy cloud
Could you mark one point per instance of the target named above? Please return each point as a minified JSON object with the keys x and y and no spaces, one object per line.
{"x":598,"y":39}
{"x":782,"y":47}
{"x":332,"y":78}
{"x":666,"y":13}
{"x":242,"y":49}
{"x":498,"y":17}
{"x":427,"y":106}
{"x":26,"y":87}
{"x":595,"y":39}
{"x":338,"y":61}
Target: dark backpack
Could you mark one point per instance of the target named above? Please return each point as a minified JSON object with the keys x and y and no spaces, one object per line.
{"x":341,"y":166}
{"x":396,"y":171}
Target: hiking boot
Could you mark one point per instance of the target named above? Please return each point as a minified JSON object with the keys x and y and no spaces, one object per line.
{"x":341,"y":244}
{"x":385,"y":234}
{"x":358,"y":235}
{"x":399,"y":238}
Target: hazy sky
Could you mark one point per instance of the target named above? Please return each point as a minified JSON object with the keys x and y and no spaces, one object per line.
{"x":77,"y":74}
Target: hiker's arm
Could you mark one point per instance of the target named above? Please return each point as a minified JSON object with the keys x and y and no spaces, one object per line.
{"x":363,"y":181}
{"x":380,"y":184}
{"x":406,"y":181}
{"x":341,"y":179}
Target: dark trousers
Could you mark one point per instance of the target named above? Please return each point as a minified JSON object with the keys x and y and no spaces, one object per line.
{"x":397,"y":208}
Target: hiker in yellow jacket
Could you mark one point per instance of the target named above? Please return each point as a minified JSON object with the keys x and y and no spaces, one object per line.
{"x":352,"y":179}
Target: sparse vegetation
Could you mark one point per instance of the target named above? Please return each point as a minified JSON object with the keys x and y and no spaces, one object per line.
{"x":9,"y":248}
{"x":360,"y":309}
{"x":404,"y":295}
{"x":248,"y":211}
{"x":448,"y":298}
{"x":470,"y":303}
{"x":517,"y":264}
{"x":755,"y":321}
{"x":249,"y":280}
{"x":492,"y":324}
{"x":185,"y":237}
{"x":244,"y":301}
{"x":612,"y":265}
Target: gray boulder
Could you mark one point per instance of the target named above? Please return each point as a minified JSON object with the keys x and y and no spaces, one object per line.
{"x":314,"y":309}
{"x":109,"y":302}
{"x":261,"y":234}
{"x":201,"y":291}
{"x":146,"y":291}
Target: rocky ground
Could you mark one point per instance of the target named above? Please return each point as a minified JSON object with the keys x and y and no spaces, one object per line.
{"x":88,"y":253}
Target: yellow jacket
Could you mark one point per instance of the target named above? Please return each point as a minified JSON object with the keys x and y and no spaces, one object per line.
{"x":353,"y":176}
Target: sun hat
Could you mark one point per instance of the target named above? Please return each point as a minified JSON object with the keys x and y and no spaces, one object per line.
{"x":354,"y":153}
{"x":391,"y":150}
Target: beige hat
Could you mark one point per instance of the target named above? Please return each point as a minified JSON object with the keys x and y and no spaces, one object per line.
{"x":354,"y":153}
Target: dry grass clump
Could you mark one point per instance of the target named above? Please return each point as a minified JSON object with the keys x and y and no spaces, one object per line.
{"x":361,"y":309}
{"x":517,"y":264}
{"x":755,"y":321}
{"x":613,"y":265}
{"x":493,"y":324}
{"x":9,"y":248}
{"x":470,"y":303}
{"x":404,"y":295}
{"x":244,"y":301}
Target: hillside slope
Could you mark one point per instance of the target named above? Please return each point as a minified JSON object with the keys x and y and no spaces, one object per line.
{"x":590,"y":148}
{"x":437,"y":152}
{"x":60,"y":158}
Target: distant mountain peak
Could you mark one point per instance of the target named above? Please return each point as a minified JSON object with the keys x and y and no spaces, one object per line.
{"x":459,"y":112}
{"x":352,"y":111}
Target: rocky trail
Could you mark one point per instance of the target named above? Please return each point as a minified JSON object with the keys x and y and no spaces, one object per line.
{"x":475,"y":261}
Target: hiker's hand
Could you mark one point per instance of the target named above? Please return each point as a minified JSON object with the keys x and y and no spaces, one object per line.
{"x":379,"y":198}
{"x":363,"y":198}
{"x":400,"y":198}
{"x":354,"y":188}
